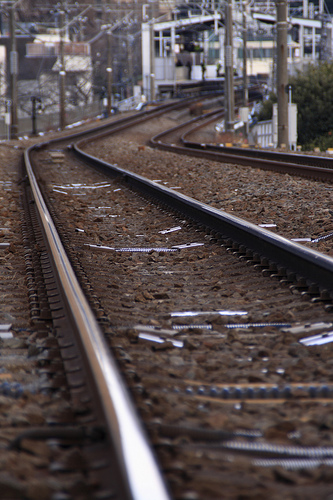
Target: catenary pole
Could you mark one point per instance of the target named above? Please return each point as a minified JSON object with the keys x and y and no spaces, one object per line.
{"x":229,"y":101}
{"x":245,"y":79}
{"x":109,"y":71}
{"x":282,"y":73}
{"x":62,"y":74}
{"x":13,"y":69}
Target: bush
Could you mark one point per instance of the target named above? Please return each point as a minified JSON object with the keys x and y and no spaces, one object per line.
{"x":266,"y":108}
{"x":313,"y":94}
{"x":323,"y":142}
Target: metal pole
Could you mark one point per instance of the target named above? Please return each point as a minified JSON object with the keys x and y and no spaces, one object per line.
{"x":152,"y":61}
{"x":33,"y":115}
{"x":13,"y":75}
{"x":282,"y":73}
{"x":62,"y":75}
{"x":245,"y":80}
{"x":8,"y":117}
{"x":104,"y":12}
{"x":229,"y":101}
{"x":109,"y":72}
{"x":130,"y":63}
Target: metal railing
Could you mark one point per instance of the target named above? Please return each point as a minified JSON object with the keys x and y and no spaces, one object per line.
{"x":50,"y":121}
{"x":262,"y":133}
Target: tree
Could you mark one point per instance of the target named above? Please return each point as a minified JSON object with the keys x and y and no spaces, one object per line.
{"x":313,"y":94}
{"x":266,"y":107}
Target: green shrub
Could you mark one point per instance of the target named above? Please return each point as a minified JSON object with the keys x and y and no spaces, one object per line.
{"x":313,"y":94}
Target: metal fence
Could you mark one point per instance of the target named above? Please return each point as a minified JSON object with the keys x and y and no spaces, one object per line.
{"x":50,"y":121}
{"x":263,"y":134}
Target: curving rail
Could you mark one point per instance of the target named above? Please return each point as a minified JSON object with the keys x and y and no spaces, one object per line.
{"x":295,"y":261}
{"x":116,"y":410}
{"x":298,"y":263}
{"x":133,"y":454}
{"x":317,"y":167}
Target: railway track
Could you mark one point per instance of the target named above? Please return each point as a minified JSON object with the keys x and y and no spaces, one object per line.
{"x":229,"y":369}
{"x":177,"y":139}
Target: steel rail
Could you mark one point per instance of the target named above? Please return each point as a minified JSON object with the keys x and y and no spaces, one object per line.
{"x":295,"y":158}
{"x":146,"y":483}
{"x":304,"y":263}
{"x":120,"y":124}
{"x":140,"y":476}
{"x":228,"y":155}
{"x":284,"y":157}
{"x":139,"y":468}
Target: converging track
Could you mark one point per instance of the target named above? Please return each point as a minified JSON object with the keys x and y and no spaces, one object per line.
{"x":316,"y":167}
{"x":229,"y":369}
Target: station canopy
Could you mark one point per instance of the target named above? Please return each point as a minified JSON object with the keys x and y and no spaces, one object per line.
{"x":190,"y":24}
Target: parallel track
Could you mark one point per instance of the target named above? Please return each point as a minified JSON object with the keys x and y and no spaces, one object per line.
{"x":308,"y":269}
{"x":272,"y":251}
{"x":316,"y":167}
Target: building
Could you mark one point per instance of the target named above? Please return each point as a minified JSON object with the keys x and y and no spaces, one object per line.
{"x":175,"y":45}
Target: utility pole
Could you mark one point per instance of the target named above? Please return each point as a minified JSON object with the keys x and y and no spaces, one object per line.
{"x":62,"y":74}
{"x":152,"y":60}
{"x":63,"y":28}
{"x":282,"y":73}
{"x":245,"y":81}
{"x":13,"y":68}
{"x":244,"y":110}
{"x":130,"y":41}
{"x":109,"y":64}
{"x":104,"y":14}
{"x":109,"y":72}
{"x":229,"y":100}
